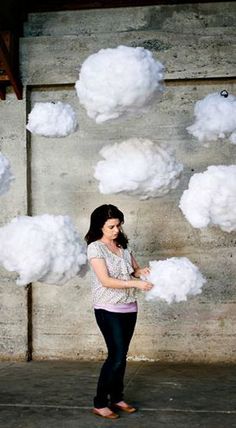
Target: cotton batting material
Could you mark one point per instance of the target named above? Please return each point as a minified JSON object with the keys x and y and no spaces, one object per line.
{"x":174,"y":279}
{"x":52,"y":119}
{"x":5,"y":174}
{"x":44,"y":248}
{"x":211,"y":198}
{"x":115,"y":82}
{"x":215,"y":118}
{"x":137,"y":167}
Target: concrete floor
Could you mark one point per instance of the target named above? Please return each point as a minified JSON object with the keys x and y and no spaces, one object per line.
{"x":55,"y":394}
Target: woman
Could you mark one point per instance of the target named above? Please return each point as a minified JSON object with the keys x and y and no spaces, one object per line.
{"x":114,"y":270}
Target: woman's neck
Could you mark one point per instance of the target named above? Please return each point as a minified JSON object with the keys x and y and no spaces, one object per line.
{"x":107,"y":241}
{"x":112,"y":245}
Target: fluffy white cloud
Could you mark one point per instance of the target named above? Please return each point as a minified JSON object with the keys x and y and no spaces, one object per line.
{"x":215,"y":118}
{"x":5,"y":174}
{"x":114,"y":82}
{"x":211,"y":198}
{"x":44,"y":248}
{"x":137,"y":167}
{"x":174,"y":279}
{"x":52,"y":119}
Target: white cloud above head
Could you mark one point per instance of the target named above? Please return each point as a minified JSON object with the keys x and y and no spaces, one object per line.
{"x":174,"y":279}
{"x":5,"y":174}
{"x":211,"y":198}
{"x":215,"y":118}
{"x":45,"y":248}
{"x":119,"y":81}
{"x":52,"y":119}
{"x":137,"y":167}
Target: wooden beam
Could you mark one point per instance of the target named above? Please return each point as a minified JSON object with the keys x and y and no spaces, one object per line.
{"x":2,"y":92}
{"x":6,"y":35}
{"x":10,"y":69}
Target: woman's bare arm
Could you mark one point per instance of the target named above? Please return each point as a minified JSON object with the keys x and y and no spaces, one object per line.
{"x":138,"y":271}
{"x":100,"y":269}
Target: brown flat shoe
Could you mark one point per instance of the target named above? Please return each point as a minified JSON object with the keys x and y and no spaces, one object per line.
{"x":111,"y":415}
{"x":125,"y":408}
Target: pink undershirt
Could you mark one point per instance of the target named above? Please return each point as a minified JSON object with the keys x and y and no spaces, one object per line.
{"x":118,"y":307}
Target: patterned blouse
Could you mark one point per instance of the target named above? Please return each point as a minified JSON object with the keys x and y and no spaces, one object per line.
{"x":119,"y":267}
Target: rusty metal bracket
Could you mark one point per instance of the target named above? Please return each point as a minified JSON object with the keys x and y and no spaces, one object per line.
{"x":9,"y":59}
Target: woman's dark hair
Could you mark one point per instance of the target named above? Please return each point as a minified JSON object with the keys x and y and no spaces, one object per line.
{"x":97,"y":220}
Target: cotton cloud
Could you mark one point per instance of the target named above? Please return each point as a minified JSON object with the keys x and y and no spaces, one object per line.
{"x":43,"y":248}
{"x":52,"y":119}
{"x":215,"y":118}
{"x":211,"y":198}
{"x":174,"y":279}
{"x":5,"y":174}
{"x":114,"y":82}
{"x":137,"y":167}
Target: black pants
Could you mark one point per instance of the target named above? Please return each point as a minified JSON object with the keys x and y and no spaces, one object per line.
{"x":117,"y":330}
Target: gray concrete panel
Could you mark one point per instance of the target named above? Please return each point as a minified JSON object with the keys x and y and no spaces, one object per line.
{"x":13,"y":146}
{"x":13,"y":300}
{"x":188,"y":18}
{"x":62,"y":182}
{"x":55,"y":60}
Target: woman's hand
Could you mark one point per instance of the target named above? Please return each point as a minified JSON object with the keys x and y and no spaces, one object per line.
{"x":141,"y":272}
{"x":143,"y":285}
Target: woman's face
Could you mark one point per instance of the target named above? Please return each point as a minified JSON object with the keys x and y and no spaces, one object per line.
{"x":111,"y":228}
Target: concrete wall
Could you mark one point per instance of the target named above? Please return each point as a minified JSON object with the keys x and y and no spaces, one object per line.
{"x":196,"y":43}
{"x":13,"y":300}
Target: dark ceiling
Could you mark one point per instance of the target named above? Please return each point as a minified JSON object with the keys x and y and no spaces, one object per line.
{"x":49,"y":5}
